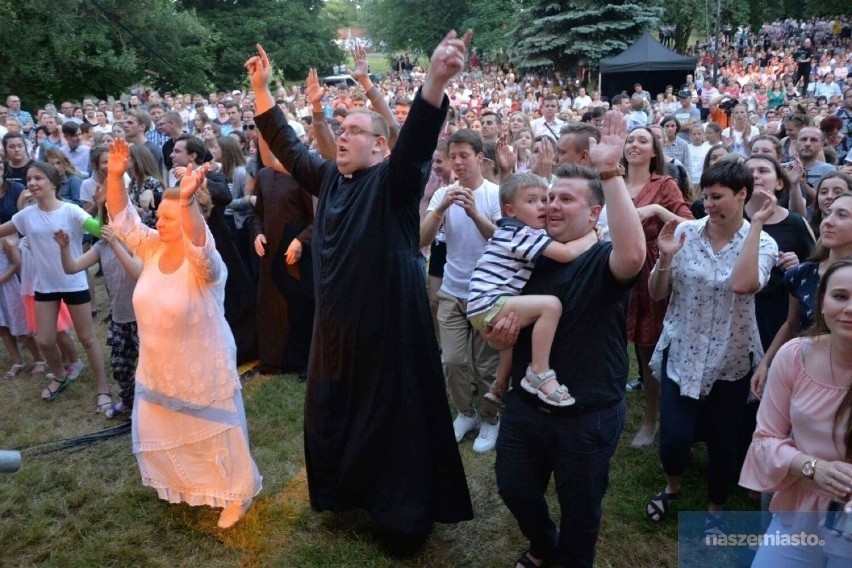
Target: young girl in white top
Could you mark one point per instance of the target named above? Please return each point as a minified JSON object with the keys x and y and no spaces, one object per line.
{"x":51,"y":285}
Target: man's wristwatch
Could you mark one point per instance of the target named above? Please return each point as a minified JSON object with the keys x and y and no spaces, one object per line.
{"x":607,"y":174}
{"x":809,"y":468}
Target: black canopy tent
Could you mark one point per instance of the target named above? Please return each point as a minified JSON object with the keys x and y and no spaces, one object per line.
{"x":647,"y":62}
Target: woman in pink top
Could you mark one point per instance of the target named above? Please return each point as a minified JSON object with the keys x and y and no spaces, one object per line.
{"x":802,"y":447}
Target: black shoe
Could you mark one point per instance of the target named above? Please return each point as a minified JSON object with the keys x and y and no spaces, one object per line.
{"x":635,"y":385}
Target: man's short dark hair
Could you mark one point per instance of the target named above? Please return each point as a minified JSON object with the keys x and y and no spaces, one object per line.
{"x":142,"y":117}
{"x":70,"y":128}
{"x":731,"y":174}
{"x":194,"y":145}
{"x":496,"y":116}
{"x":466,"y":136}
{"x":576,"y":171}
{"x":580,"y":132}
{"x":402,"y":101}
{"x":550,"y":97}
{"x":174,"y":118}
{"x":617,"y":99}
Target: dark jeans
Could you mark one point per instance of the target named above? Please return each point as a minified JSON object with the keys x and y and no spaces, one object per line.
{"x":576,"y":450}
{"x":718,"y":416}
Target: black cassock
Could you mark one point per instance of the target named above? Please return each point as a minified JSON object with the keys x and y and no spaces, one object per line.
{"x":378,"y":430}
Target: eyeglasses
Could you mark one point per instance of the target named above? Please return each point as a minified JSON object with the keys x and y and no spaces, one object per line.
{"x":354,"y":131}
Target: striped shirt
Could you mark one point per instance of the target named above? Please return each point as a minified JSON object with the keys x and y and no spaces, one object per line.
{"x":506,"y":264}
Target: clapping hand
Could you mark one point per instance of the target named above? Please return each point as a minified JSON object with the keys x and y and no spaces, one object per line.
{"x":505,"y":156}
{"x":762,"y":215}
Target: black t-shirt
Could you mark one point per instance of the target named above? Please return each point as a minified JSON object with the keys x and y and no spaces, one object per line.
{"x":168,"y":147}
{"x":18,"y":175}
{"x":589,"y":353}
{"x":803,"y":55}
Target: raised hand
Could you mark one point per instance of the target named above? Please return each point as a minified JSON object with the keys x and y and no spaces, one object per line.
{"x":191,"y":181}
{"x":259,"y":69}
{"x":667,"y":243}
{"x":607,"y":153}
{"x":505,"y":156}
{"x":61,"y":238}
{"x":361,"y":71}
{"x":313,"y":91}
{"x":118,"y":154}
{"x":449,"y":57}
{"x":767,"y":209}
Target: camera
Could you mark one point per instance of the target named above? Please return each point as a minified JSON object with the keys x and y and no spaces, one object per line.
{"x":727,"y":104}
{"x":836,"y":519}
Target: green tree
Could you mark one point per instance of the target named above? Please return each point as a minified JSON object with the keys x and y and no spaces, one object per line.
{"x":413,"y":25}
{"x":99,"y":47}
{"x":491,"y":22}
{"x":569,"y":33}
{"x":341,"y":13}
{"x":293,"y":33}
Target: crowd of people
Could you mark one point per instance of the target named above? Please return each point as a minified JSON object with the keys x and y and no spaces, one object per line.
{"x":463,"y":232}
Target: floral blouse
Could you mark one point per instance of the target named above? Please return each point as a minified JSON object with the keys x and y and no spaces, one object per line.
{"x":710,"y":331}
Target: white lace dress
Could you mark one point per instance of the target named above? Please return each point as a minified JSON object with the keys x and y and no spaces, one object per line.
{"x":190,"y":435}
{"x":12,"y":315}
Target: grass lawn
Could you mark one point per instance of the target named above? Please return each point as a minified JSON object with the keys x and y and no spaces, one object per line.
{"x":88,"y":508}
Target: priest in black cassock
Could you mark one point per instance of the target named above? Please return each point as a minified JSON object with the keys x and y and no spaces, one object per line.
{"x":378,"y":430}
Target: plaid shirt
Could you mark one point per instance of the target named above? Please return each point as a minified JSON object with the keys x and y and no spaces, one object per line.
{"x":156,"y":137}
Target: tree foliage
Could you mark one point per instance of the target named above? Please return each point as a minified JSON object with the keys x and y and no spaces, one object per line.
{"x":99,"y":47}
{"x":491,"y":22}
{"x":294,"y":34}
{"x":102,"y":47}
{"x":568,"y":33}
{"x":413,"y":25}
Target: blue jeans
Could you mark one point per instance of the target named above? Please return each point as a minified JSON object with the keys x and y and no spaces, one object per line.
{"x":576,"y":450}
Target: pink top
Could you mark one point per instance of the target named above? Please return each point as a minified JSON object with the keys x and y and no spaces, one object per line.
{"x":795,"y":405}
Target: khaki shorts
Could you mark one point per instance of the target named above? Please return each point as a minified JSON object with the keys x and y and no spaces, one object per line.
{"x":483,"y":319}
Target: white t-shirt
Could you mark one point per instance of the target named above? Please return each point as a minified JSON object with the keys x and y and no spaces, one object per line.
{"x":39,"y":227}
{"x":465,"y":244}
{"x":696,"y":160}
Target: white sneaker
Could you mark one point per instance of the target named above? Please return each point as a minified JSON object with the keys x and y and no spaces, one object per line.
{"x":487,"y":438}
{"x":464,"y":424}
{"x":74,"y":369}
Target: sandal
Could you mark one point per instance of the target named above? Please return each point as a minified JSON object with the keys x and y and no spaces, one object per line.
{"x":116,"y":409}
{"x":53,"y":393}
{"x":14,"y":370}
{"x":39,"y":368}
{"x":662,"y":509}
{"x":526,"y":561}
{"x":103,"y":406}
{"x":532,"y":383}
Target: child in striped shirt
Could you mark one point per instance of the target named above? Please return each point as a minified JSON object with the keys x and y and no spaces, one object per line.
{"x":502,"y":272}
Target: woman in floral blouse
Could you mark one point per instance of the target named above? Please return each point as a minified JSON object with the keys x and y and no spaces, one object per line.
{"x":710,"y":269}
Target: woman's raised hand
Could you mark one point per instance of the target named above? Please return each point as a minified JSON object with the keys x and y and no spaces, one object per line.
{"x":118,"y":154}
{"x":667,"y":243}
{"x":191,"y":181}
{"x":313,"y":90}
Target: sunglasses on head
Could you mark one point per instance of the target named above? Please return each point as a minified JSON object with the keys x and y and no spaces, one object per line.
{"x":250,"y":126}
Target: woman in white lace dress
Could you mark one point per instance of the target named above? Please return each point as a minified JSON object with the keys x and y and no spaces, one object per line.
{"x":190,"y":435}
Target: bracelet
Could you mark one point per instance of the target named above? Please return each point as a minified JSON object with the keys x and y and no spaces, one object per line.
{"x":658,"y":268}
{"x":436,"y":214}
{"x":188,"y":203}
